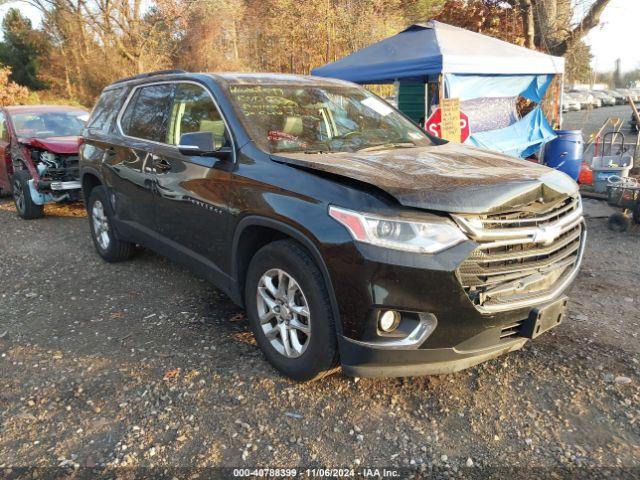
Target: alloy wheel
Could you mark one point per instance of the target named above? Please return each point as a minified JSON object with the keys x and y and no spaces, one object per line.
{"x":284,"y":313}
{"x":100,"y":225}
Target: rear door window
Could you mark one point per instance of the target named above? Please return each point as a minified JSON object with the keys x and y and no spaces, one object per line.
{"x":146,"y":114}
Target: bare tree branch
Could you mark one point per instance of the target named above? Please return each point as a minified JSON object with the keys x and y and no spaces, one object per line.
{"x":590,"y":20}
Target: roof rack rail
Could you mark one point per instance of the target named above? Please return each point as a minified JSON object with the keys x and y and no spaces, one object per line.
{"x":149,"y":74}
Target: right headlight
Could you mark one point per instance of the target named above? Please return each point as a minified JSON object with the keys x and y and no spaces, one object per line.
{"x":399,"y":233}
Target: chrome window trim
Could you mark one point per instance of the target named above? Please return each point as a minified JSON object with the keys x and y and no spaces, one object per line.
{"x":175,"y":147}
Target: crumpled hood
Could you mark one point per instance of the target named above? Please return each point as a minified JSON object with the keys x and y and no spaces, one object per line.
{"x":60,"y":145}
{"x":451,"y":177}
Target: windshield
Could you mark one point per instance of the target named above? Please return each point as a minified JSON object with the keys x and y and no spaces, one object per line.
{"x":49,"y":124}
{"x":294,"y":118}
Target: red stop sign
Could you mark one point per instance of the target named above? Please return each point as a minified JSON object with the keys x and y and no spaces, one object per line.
{"x":433,"y":125}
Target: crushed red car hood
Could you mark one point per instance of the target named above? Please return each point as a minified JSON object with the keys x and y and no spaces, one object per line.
{"x":450,"y":178}
{"x":61,"y":145}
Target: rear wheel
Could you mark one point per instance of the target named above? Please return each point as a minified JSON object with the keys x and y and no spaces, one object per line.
{"x":109,"y":246}
{"x":25,"y":206}
{"x":290,"y":312}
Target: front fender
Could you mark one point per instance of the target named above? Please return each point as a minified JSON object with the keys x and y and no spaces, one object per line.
{"x":295,"y":232}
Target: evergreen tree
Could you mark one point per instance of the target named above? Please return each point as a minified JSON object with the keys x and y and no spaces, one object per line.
{"x":22,"y":49}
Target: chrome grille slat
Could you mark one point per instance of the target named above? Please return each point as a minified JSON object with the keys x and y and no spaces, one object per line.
{"x":473,"y":267}
{"x":524,"y":256}
{"x":469,"y":280}
{"x":534,"y":221}
{"x":481,"y":256}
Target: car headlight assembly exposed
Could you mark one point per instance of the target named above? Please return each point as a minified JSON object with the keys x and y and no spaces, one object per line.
{"x":398,"y":233}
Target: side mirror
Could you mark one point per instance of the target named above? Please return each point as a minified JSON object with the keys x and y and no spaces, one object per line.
{"x":203,"y":144}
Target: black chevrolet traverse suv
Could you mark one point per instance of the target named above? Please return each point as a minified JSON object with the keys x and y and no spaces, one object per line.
{"x":350,"y":237}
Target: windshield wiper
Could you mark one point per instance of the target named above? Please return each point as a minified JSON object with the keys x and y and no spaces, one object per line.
{"x":386,"y":146}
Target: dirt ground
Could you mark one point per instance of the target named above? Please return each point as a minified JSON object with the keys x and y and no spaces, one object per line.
{"x":142,"y":365}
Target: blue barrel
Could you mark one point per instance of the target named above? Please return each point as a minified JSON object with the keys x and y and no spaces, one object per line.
{"x":565,"y":152}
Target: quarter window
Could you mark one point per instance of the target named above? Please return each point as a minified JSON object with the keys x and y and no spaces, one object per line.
{"x":4,"y":132}
{"x":106,"y":109}
{"x":193,"y":110}
{"x":146,"y":115}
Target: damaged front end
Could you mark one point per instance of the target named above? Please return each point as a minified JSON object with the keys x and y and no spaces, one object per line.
{"x":525,"y":256}
{"x":54,"y":170}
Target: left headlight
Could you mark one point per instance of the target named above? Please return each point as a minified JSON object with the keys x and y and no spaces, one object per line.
{"x":398,"y":233}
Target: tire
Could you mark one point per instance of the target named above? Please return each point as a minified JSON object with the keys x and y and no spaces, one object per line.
{"x":109,"y":246}
{"x":25,"y":205}
{"x":636,"y":212}
{"x":619,"y":222}
{"x":311,"y":356}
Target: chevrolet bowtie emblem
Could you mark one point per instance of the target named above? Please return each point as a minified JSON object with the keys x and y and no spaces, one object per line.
{"x":546,"y":235}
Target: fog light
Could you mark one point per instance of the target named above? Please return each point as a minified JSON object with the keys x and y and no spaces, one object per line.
{"x":389,"y":321}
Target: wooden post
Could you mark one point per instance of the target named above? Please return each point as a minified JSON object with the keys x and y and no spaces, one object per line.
{"x":635,"y":114}
{"x":635,"y":109}
{"x":440,"y":90}
{"x":559,"y":99}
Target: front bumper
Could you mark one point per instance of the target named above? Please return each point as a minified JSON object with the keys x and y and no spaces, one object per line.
{"x":368,"y":359}
{"x":369,"y":279}
{"x":362,"y":361}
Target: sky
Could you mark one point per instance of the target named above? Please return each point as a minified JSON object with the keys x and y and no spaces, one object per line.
{"x":613,"y":38}
{"x":616,"y":36}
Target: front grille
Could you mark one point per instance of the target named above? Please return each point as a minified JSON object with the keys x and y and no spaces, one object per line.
{"x":524,"y":257}
{"x":68,"y":169}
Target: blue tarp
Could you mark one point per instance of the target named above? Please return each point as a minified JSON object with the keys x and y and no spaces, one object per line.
{"x":467,"y":87}
{"x":520,"y":139}
{"x":523,"y":137}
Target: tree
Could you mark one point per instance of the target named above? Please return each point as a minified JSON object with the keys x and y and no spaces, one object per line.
{"x":22,"y":49}
{"x":552,"y":26}
{"x":489,"y":17}
{"x":10,"y":92}
{"x":578,"y":64}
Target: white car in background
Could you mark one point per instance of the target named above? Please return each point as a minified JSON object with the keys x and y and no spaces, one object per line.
{"x":606,"y":99}
{"x":586,"y":100}
{"x":620,"y":97}
{"x":570,"y":103}
{"x":627,"y":92}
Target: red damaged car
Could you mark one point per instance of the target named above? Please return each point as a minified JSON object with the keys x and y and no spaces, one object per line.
{"x":39,"y":155}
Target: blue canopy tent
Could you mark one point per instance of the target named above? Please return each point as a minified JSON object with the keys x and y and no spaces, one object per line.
{"x":487,"y":75}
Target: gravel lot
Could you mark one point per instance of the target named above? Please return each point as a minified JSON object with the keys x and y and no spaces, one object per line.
{"x":590,"y":121}
{"x":143,"y":365}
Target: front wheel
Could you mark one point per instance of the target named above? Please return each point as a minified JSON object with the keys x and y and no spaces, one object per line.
{"x":25,"y":206}
{"x":290,"y":312}
{"x":109,"y":246}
